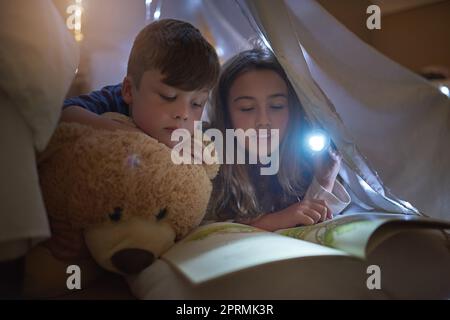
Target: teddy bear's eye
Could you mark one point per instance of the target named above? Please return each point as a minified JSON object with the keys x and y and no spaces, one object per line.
{"x":162,"y":213}
{"x":116,"y":215}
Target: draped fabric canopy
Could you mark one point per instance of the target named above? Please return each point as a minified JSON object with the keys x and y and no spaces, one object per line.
{"x":392,"y":126}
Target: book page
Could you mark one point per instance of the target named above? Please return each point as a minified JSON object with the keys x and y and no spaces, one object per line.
{"x":353,"y":232}
{"x":217,"y":249}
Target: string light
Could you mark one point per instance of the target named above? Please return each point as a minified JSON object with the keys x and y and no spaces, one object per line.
{"x":157,"y":13}
{"x":148,"y":10}
{"x":219,"y":51}
{"x":73,"y":21}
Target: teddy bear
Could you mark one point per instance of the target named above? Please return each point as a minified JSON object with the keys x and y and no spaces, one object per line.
{"x":124,"y":191}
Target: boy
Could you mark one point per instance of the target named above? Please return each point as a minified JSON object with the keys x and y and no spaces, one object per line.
{"x":171,"y":69}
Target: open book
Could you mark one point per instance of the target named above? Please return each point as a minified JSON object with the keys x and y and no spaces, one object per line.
{"x":221,"y":248}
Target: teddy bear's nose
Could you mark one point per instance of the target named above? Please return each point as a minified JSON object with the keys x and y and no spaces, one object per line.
{"x":132,"y":261}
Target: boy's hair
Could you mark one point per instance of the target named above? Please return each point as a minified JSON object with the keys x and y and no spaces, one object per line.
{"x":179,"y":51}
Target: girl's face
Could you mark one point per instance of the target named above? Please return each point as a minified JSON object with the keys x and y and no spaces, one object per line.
{"x":258,"y":99}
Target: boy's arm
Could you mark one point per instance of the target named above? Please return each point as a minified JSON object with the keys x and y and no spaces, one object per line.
{"x":83,"y":116}
{"x":85,"y":109}
{"x":107,"y":99}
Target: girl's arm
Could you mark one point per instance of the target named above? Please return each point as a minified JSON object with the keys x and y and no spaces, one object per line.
{"x":319,"y":205}
{"x":271,"y":221}
{"x":324,"y":185}
{"x":336,"y":198}
{"x":306,"y":212}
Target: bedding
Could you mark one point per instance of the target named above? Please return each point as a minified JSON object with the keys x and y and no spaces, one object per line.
{"x":38,"y":59}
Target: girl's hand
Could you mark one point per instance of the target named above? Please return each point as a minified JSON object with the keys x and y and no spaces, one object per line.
{"x":306,"y":212}
{"x":326,"y":167}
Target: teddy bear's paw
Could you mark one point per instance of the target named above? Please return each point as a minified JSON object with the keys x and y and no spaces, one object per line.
{"x":211,"y":170}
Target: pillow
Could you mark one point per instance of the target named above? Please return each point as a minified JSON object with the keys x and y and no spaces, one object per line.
{"x":38,"y":59}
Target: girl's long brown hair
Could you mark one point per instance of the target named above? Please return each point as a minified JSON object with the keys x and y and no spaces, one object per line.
{"x":235,"y":194}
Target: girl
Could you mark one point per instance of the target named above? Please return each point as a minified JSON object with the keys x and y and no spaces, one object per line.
{"x":254,"y":92}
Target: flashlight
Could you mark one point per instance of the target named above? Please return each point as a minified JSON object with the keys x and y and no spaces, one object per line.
{"x":317,"y":141}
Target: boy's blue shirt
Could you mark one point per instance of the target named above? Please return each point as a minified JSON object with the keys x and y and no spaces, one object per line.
{"x":107,"y":99}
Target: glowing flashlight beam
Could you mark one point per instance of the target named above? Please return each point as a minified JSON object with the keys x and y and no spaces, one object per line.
{"x":318,"y":141}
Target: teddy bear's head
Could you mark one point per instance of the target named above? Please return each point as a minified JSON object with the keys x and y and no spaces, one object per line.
{"x":123,"y":189}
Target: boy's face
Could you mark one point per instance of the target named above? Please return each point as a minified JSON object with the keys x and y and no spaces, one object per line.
{"x":158,"y":109}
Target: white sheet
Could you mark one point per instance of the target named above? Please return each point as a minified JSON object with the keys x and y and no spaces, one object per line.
{"x":386,"y":116}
